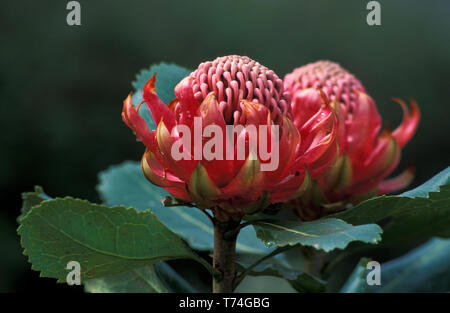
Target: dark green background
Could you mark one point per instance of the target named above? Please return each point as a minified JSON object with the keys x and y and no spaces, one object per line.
{"x":61,"y":87}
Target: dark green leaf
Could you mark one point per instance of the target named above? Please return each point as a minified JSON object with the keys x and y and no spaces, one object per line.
{"x":357,"y":280}
{"x":306,"y":283}
{"x":158,"y":277}
{"x":141,"y":280}
{"x":424,"y":269}
{"x":300,"y":281}
{"x":432,"y":185}
{"x":325,"y":234}
{"x":172,"y":279}
{"x":285,"y":262}
{"x":264,"y":284}
{"x":105,"y":241}
{"x":30,"y":199}
{"x":404,"y":219}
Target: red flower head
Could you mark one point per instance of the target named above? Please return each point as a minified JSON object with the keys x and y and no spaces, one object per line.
{"x":366,"y":155}
{"x":231,"y":91}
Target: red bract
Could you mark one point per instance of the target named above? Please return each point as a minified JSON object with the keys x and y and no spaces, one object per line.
{"x":366,"y":155}
{"x":231,"y":90}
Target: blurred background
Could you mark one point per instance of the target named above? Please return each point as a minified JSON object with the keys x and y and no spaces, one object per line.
{"x":61,"y":87}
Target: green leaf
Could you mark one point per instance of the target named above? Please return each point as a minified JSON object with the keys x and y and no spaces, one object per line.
{"x":300,"y":281}
{"x":155,"y":278}
{"x":324,"y":234}
{"x":172,"y":279}
{"x":305,"y":283}
{"x":285,"y":262}
{"x":167,"y":77}
{"x":125,"y":184}
{"x":141,"y":280}
{"x":357,"y":279}
{"x":424,"y":269}
{"x":403,"y":219}
{"x":105,"y":241}
{"x":30,"y":199}
{"x":264,"y":284}
{"x":443,"y":178}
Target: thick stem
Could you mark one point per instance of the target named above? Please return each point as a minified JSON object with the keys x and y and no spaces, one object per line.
{"x":225,"y":255}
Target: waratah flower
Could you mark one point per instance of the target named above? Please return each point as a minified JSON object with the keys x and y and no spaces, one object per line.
{"x":366,"y":155}
{"x":231,"y":91}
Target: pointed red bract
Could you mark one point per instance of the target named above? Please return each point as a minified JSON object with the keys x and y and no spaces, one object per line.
{"x":160,"y":111}
{"x":407,"y":128}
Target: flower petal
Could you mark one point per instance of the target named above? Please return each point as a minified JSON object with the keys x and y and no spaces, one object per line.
{"x":249,"y":181}
{"x":134,"y":121}
{"x":340,"y":174}
{"x":300,"y":191}
{"x":363,"y":128}
{"x":305,"y":104}
{"x":407,"y":128}
{"x":220,"y":170}
{"x":201,"y":185}
{"x":158,"y":109}
{"x":188,"y":105}
{"x":318,"y":134}
{"x":156,"y":174}
{"x":399,"y":182}
{"x":380,"y":163}
{"x":181,"y":168}
{"x":288,"y":143}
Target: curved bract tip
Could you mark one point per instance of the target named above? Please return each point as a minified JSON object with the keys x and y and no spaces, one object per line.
{"x":411,"y":118}
{"x":158,"y":109}
{"x":399,"y":182}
